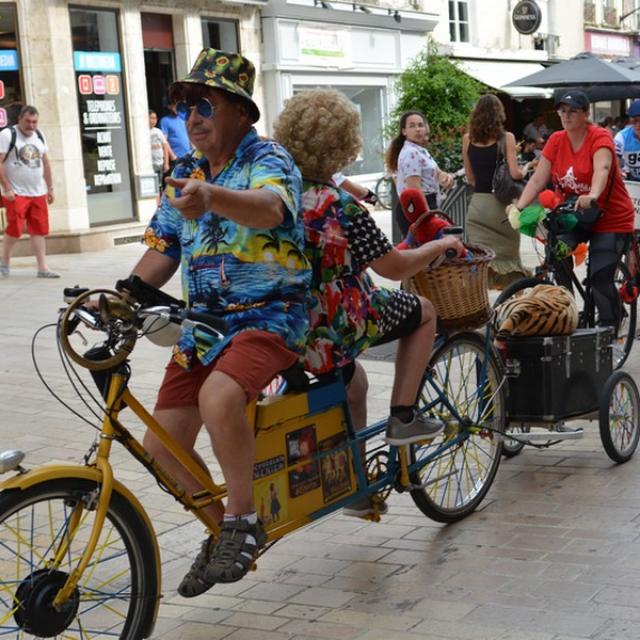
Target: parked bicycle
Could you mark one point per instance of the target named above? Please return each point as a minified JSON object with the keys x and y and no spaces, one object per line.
{"x":383,"y":190}
{"x":78,"y":553}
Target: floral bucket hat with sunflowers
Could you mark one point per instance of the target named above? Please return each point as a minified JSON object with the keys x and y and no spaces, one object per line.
{"x":230,"y":72}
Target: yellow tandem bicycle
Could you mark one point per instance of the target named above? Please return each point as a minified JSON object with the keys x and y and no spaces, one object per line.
{"x":78,"y":553}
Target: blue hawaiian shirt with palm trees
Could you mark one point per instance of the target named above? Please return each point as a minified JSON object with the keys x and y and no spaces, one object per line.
{"x":253,"y":278}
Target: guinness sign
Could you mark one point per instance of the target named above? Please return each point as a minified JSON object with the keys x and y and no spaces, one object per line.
{"x":526,"y":17}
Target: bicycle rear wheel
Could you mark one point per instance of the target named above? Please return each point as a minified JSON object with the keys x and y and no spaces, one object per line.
{"x":619,"y":417}
{"x":383,"y":191}
{"x":468,"y":375}
{"x":627,"y":331}
{"x":117,"y":594}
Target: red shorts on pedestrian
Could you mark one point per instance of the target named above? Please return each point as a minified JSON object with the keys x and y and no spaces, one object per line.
{"x":252,"y":359}
{"x":33,"y":209}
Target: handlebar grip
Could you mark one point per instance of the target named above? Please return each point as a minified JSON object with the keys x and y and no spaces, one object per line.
{"x":211,"y":321}
{"x":450,"y":253}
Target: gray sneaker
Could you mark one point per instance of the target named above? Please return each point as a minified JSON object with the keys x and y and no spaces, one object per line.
{"x":5,"y":270}
{"x":363,"y":507}
{"x":422,"y":427}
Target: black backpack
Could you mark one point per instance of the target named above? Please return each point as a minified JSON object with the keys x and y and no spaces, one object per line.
{"x":12,"y":143}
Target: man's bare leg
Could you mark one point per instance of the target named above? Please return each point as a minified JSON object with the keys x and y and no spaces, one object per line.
{"x":8,"y":242}
{"x":183,"y":424}
{"x":39,"y":249}
{"x":223,"y":403}
{"x":357,"y":397}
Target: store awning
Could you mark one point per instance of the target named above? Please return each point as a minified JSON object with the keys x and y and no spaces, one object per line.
{"x":496,"y":74}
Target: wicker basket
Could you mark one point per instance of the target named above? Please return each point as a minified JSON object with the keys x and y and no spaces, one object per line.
{"x":458,"y":289}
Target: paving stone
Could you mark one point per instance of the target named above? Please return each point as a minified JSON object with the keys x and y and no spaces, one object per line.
{"x":275,"y":592}
{"x":323,"y":597}
{"x":553,"y":552}
{"x":318,"y":629}
{"x":256,"y":621}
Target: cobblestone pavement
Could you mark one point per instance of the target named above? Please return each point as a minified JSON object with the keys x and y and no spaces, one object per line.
{"x":551,"y":554}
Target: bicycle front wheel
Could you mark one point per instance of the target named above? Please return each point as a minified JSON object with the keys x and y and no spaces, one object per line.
{"x":117,"y":594}
{"x":466,"y":376}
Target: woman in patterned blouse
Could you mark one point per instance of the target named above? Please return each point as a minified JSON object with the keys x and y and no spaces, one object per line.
{"x":413,"y":166}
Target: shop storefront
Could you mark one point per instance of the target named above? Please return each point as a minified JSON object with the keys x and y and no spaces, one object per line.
{"x":94,"y":70}
{"x":312,"y":46}
{"x":521,"y":104}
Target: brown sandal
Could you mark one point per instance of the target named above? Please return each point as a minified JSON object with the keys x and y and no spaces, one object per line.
{"x":194,"y":584}
{"x":232,"y":556}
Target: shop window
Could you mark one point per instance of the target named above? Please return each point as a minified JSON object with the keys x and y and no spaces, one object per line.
{"x":11,"y":97}
{"x":458,"y":21}
{"x":220,"y":34}
{"x":103,"y":118}
{"x":369,"y":101}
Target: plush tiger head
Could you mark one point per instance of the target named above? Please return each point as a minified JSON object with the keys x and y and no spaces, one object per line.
{"x":543,"y":310}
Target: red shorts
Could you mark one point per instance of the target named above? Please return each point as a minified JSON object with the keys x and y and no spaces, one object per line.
{"x":252,"y":359}
{"x":33,"y":209}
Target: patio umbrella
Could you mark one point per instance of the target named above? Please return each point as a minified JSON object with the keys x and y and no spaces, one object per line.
{"x":598,"y":78}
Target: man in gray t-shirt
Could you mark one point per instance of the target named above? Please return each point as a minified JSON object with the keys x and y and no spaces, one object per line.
{"x":27,"y":188}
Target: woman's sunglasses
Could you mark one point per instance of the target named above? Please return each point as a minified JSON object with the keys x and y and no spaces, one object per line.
{"x":202,"y":106}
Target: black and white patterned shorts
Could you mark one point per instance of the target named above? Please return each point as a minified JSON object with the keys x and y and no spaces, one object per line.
{"x":400,"y":317}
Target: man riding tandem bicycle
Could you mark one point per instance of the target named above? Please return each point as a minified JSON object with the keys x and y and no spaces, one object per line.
{"x":78,"y":552}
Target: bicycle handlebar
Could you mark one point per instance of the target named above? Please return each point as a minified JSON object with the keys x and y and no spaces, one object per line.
{"x":205,"y":321}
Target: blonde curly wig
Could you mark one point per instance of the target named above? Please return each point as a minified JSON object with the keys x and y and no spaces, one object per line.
{"x":321,"y":130}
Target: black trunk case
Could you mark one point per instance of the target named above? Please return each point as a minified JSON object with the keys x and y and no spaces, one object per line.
{"x":553,"y":378}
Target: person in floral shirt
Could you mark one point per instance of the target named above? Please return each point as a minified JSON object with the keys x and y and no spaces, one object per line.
{"x":348,"y":313}
{"x":229,"y":220}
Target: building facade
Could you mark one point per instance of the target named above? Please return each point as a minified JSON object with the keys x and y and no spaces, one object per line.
{"x":485,"y":39}
{"x":93,"y":70}
{"x":357,"y":48}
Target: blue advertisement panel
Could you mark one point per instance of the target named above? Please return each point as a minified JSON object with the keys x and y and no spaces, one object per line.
{"x":102,"y":109}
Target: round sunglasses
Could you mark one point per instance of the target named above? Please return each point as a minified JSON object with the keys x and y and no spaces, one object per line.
{"x":204,"y":108}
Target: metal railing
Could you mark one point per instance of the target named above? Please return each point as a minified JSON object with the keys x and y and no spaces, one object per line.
{"x":456,"y":203}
